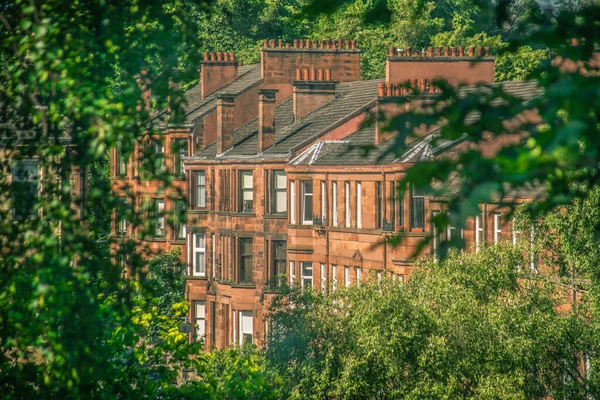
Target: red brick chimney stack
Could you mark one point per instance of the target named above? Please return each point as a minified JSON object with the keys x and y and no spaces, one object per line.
{"x":225,"y":122}
{"x":279,"y":61}
{"x":312,"y":88}
{"x":217,"y":70}
{"x":266,"y":118}
{"x":454,"y":65}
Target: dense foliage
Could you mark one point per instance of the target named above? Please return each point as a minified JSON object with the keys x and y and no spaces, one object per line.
{"x":471,"y":326}
{"x":72,"y":327}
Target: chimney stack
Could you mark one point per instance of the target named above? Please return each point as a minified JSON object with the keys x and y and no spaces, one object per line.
{"x":266,"y":118}
{"x":312,"y":88}
{"x":455,"y":65}
{"x":216,"y":71}
{"x":225,"y":122}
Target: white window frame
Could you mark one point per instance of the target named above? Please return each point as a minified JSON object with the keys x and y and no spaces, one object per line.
{"x":304,"y":277}
{"x":159,"y":209}
{"x":358,"y":274}
{"x":347,"y":276}
{"x":198,"y":250}
{"x":279,"y":207}
{"x":243,"y":316}
{"x":358,"y":204}
{"x":516,"y":234}
{"x":306,"y":198}
{"x":347,"y":203}
{"x":479,"y":230}
{"x":323,"y":277}
{"x":334,"y":277}
{"x":497,"y":227}
{"x":323,"y":202}
{"x":200,"y":319}
{"x":214,"y":255}
{"x":244,"y":189}
{"x":292,"y":202}
{"x":200,"y":187}
{"x":533,"y":263}
{"x":335,"y":204}
{"x":292,"y":272}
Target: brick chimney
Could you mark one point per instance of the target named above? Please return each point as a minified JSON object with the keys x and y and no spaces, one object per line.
{"x":455,"y":65}
{"x":417,"y":93}
{"x":225,"y":122}
{"x":280,"y":60}
{"x":217,"y":70}
{"x":266,"y":118}
{"x":312,"y":88}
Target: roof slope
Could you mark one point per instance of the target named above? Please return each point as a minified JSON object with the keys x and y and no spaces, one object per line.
{"x":195,"y":106}
{"x":289,"y":134}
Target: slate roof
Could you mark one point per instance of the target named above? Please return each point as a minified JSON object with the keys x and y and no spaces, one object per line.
{"x":195,"y":106}
{"x":351,"y":99}
{"x":359,"y":148}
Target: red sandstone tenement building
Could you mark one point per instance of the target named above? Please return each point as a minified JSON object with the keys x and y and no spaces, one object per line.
{"x":276,"y":184}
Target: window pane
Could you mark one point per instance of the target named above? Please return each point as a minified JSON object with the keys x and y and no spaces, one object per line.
{"x":200,"y":178}
{"x":200,"y":241}
{"x":201,"y":196}
{"x":280,"y":201}
{"x":247,"y":179}
{"x":280,"y":180}
{"x":200,"y":263}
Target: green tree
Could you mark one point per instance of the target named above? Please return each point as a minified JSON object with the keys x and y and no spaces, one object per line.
{"x":471,"y":326}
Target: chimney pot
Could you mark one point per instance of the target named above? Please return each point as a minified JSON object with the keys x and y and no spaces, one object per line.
{"x":212,"y":56}
{"x":353,"y":44}
{"x":397,"y":89}
{"x":340,"y":44}
{"x":220,"y":56}
{"x":265,"y":43}
{"x":381,"y":89}
{"x":287,"y":45}
{"x":461,"y":51}
{"x":307,"y":44}
{"x":408,"y":50}
{"x":389,"y":89}
{"x":574,"y":42}
{"x":479,"y":51}
{"x":279,"y":43}
{"x":328,"y":44}
{"x":446,"y":51}
{"x":487,"y":51}
{"x":315,"y":44}
{"x":454,"y":52}
{"x":295,"y":43}
{"x":322,"y":45}
{"x":305,"y":74}
{"x":347,"y":45}
{"x":327,"y":74}
{"x":205,"y":56}
{"x":471,"y":51}
{"x":430,"y":52}
{"x":313,"y":74}
{"x":391,"y":51}
{"x":422,"y":52}
{"x":298,"y":74}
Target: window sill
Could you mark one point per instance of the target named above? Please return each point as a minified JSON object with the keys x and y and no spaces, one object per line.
{"x":178,"y":241}
{"x":156,"y":239}
{"x":243,"y":214}
{"x":275,"y":216}
{"x":198,"y":211}
{"x":243,"y":285}
{"x":196,"y":278}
